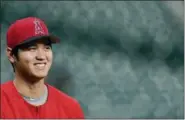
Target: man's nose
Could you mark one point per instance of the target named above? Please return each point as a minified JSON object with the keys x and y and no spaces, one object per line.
{"x":40,"y":54}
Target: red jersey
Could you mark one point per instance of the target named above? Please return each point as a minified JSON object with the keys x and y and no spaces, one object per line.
{"x":58,"y":105}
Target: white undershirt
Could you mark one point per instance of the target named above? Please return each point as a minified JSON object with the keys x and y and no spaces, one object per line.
{"x":38,"y":101}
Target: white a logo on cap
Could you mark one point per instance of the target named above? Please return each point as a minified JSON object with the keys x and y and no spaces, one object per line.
{"x":38,"y":27}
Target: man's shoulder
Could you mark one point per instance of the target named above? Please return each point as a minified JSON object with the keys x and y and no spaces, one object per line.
{"x":61,"y":95}
{"x":70,"y":104}
{"x":6,"y":89}
{"x":6,"y":85}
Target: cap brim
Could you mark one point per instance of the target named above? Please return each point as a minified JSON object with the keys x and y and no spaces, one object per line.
{"x":53,"y":39}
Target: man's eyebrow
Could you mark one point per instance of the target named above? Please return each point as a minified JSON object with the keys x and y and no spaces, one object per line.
{"x":30,"y":44}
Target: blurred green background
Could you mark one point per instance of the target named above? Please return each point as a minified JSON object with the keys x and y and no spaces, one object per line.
{"x":120,"y":59}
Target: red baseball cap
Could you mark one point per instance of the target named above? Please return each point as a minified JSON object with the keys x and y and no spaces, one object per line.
{"x":26,"y":30}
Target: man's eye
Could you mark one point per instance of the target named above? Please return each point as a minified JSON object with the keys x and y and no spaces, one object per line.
{"x":47,"y":47}
{"x":32,"y":48}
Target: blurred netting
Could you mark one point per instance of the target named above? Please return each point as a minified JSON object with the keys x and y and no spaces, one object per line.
{"x":119,"y":59}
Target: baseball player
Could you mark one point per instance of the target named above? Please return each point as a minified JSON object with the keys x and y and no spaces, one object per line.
{"x":29,"y":50}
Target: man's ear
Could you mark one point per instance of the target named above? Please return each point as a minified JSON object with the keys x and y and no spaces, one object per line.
{"x":10,"y":55}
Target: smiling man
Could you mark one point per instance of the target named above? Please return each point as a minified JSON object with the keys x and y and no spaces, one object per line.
{"x":29,"y":50}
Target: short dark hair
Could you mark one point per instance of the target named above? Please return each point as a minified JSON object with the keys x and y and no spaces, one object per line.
{"x":15,"y":53}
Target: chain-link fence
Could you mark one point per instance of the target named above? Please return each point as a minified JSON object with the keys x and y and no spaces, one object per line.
{"x":120,"y":59}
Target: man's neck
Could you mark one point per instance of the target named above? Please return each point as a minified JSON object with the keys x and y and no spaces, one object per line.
{"x":33,"y":90}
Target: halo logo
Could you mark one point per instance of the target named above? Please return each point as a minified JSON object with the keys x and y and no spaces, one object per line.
{"x":38,"y":27}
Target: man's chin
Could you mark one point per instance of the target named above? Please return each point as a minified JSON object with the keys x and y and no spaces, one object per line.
{"x":40,"y":76}
{"x":37,"y":77}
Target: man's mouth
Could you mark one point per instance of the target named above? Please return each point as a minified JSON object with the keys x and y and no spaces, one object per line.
{"x":40,"y":65}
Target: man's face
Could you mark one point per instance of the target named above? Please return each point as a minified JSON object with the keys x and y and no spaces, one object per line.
{"x":34,"y":59}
